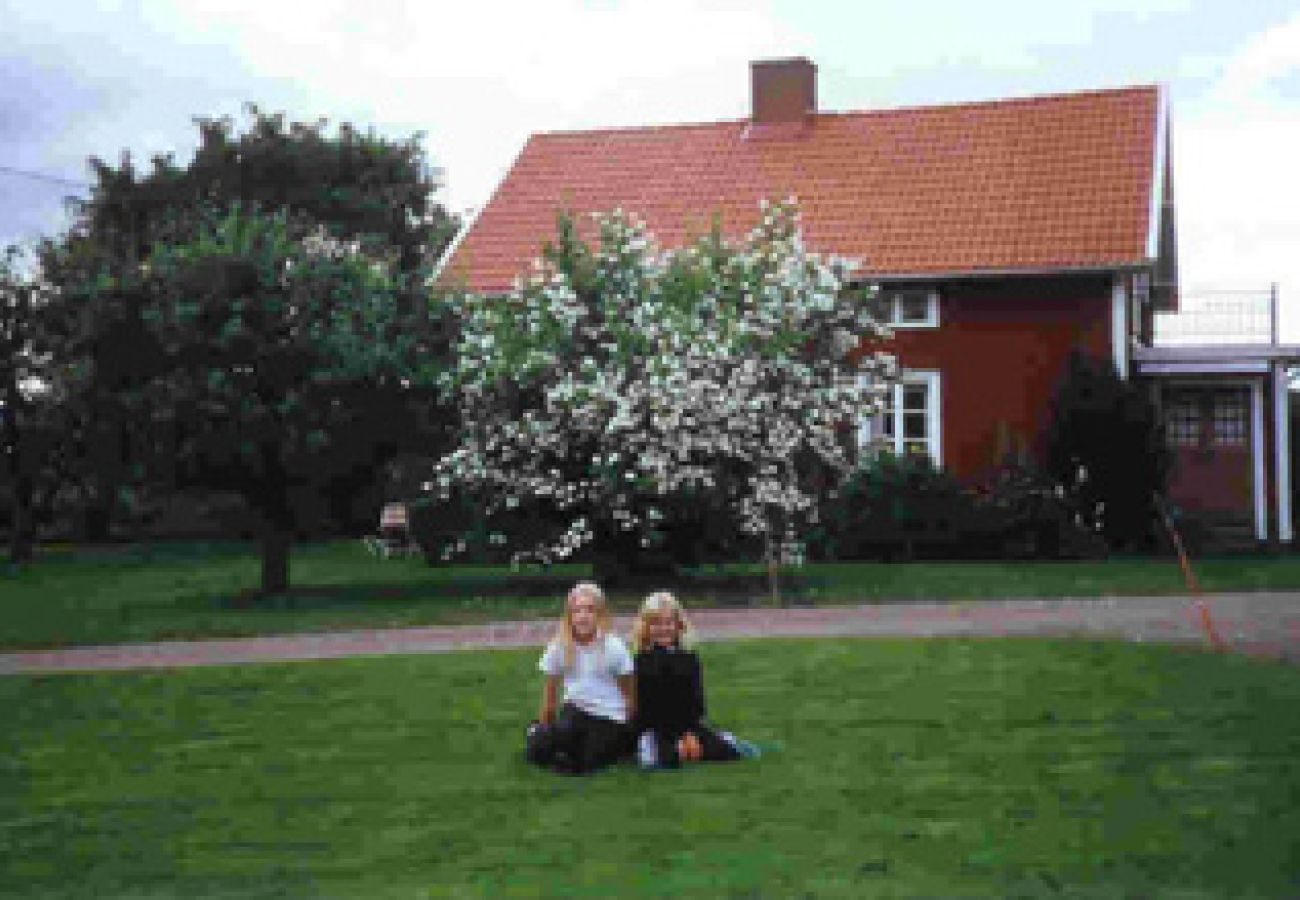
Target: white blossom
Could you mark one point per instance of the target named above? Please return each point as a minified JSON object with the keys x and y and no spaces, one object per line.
{"x":647,"y":389}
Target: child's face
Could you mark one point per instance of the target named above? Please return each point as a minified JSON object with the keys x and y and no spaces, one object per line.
{"x":662,"y":627}
{"x":582,"y":618}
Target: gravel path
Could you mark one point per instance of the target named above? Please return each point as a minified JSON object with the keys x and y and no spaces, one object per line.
{"x":1263,"y":624}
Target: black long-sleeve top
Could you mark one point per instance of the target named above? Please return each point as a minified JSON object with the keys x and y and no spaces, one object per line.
{"x":669,"y":690}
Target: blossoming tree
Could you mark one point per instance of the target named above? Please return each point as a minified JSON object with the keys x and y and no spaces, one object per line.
{"x":617,"y":382}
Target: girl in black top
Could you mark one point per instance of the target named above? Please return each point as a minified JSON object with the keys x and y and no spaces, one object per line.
{"x":670,"y":692}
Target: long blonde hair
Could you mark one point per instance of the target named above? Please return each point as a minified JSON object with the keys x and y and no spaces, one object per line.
{"x":658,"y":602}
{"x":564,"y":630}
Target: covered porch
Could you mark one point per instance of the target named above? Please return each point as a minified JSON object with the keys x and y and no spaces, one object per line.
{"x":1226,"y":403}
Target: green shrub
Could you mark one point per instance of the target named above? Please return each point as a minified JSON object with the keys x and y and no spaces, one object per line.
{"x":1032,"y":519}
{"x":895,"y":507}
{"x":1106,"y":449}
{"x":900,"y":508}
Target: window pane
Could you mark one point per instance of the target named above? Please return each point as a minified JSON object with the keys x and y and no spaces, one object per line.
{"x":914,"y":306}
{"x":914,"y":426}
{"x":1229,"y":419}
{"x":914,"y":398}
{"x":1183,"y":416}
{"x":1183,"y":423}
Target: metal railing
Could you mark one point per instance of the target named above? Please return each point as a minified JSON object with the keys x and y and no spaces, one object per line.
{"x":1220,"y":317}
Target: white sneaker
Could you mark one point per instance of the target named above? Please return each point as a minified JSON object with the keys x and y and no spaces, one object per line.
{"x":647,"y":750}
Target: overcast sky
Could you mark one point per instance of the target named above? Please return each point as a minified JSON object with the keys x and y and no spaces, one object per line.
{"x":81,"y":78}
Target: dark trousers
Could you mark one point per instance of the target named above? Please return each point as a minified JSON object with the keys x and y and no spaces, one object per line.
{"x":578,"y":742}
{"x":712,"y":746}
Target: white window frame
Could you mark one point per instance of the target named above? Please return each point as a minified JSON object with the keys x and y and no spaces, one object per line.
{"x":870,"y":427}
{"x":893,"y":301}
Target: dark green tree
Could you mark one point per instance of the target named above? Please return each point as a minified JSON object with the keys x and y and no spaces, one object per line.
{"x":1106,"y":448}
{"x":342,"y":187}
{"x":286,"y":364}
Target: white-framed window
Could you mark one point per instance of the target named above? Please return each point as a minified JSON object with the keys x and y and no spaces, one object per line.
{"x":910,"y":307}
{"x":911,"y":422}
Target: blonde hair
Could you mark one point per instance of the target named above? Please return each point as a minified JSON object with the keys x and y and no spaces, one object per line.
{"x":658,"y":602}
{"x":564,"y":630}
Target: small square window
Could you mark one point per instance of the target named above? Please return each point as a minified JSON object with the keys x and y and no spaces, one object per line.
{"x":912,"y":307}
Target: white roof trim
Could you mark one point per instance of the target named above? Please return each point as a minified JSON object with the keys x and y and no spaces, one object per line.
{"x":1216,"y":353}
{"x":455,"y":243}
{"x":1259,"y":367}
{"x":1158,"y":174}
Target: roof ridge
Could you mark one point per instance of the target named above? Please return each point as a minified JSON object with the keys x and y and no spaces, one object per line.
{"x":875,"y":111}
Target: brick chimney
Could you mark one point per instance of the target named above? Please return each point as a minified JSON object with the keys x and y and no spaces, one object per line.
{"x":782,"y":90}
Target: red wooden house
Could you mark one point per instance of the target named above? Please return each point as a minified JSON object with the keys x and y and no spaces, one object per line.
{"x":1004,"y":234}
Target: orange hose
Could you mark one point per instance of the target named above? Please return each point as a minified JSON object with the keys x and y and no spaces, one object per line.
{"x":1200,"y":604}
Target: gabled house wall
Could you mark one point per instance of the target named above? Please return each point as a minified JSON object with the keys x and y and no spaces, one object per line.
{"x":1001,"y":347}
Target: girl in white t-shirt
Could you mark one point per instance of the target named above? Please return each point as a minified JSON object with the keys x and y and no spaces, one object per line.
{"x":592,"y":668}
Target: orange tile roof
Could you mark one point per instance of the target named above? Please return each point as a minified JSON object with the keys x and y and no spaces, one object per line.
{"x":1040,"y":183}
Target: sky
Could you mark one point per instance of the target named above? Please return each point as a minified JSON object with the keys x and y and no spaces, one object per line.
{"x":82,"y":78}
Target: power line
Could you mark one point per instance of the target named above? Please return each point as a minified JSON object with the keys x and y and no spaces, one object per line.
{"x":40,"y":176}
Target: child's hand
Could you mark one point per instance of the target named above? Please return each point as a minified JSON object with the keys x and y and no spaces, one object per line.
{"x":688,"y":748}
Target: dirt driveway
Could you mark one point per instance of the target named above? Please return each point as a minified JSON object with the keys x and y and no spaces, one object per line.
{"x":1263,"y":624}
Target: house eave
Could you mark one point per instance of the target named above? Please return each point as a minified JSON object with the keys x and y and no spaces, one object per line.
{"x":1008,"y":272}
{"x":1213,"y":359}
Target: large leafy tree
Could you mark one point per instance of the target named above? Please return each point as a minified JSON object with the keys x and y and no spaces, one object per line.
{"x":617,"y":382}
{"x":285,"y":363}
{"x":341,"y":186}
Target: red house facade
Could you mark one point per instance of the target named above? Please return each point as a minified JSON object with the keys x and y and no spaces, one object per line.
{"x":1004,"y":235}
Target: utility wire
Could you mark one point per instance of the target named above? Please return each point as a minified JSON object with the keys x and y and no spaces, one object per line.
{"x":40,"y":176}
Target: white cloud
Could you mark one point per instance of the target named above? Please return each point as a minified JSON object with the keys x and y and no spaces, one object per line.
{"x":1269,"y":56}
{"x":1235,"y":180}
{"x":482,"y":78}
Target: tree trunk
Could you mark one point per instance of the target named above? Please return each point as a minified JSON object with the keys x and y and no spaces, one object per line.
{"x":271,"y":498}
{"x":276,"y":539}
{"x":97,"y":513}
{"x":773,"y":570}
{"x":20,"y":535}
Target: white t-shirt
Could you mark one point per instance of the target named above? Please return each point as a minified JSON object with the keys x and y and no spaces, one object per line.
{"x":591,"y":683}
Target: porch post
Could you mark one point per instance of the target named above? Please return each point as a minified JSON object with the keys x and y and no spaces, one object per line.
{"x":1273,"y":315}
{"x":1282,"y":452}
{"x":1257,"y":458}
{"x":1119,"y":325}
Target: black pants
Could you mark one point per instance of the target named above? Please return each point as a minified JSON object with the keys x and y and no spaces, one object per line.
{"x":713,"y":747}
{"x":578,"y":742}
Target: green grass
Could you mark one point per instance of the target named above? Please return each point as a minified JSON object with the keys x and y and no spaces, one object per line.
{"x":199,"y":590}
{"x":908,"y":768}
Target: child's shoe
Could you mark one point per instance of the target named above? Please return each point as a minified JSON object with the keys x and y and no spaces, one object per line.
{"x":647,"y":750}
{"x":746,"y":749}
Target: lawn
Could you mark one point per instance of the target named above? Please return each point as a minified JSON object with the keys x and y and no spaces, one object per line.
{"x":197,"y":590}
{"x":934,"y":768}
